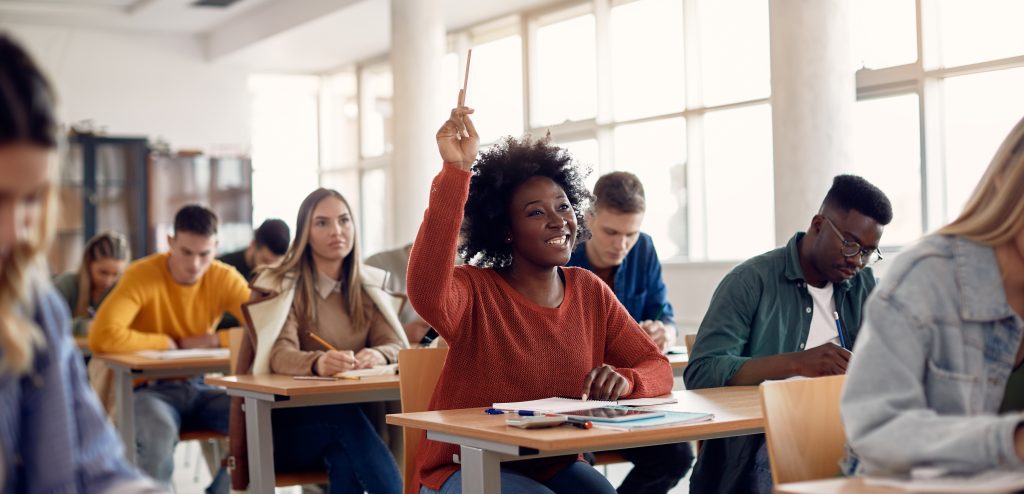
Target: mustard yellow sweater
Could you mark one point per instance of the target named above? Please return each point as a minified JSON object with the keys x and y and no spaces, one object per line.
{"x":147,"y":306}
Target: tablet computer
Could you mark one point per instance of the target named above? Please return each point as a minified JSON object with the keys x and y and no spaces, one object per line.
{"x":609,"y":414}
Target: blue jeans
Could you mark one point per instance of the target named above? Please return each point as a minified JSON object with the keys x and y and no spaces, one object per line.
{"x":165,"y":408}
{"x":578,"y":477}
{"x":656,"y":469}
{"x":761,"y":473}
{"x":340,"y":438}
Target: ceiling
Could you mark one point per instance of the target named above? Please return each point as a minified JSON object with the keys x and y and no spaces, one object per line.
{"x":295,"y":36}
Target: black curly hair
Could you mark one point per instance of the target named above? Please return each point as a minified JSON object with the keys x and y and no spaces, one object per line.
{"x":853,"y":192}
{"x":496,"y":175}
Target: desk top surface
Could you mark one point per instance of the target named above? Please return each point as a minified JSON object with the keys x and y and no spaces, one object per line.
{"x":737,"y":411}
{"x":278,"y":384}
{"x":139,"y":363}
{"x":834,"y":486}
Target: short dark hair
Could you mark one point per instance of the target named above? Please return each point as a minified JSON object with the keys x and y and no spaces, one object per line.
{"x":853,"y":192}
{"x":195,"y":219}
{"x":621,"y":191}
{"x":26,"y":98}
{"x":498,"y":172}
{"x":273,"y":234}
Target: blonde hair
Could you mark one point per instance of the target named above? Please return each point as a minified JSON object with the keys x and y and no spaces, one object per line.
{"x":106,"y":245}
{"x":298,"y":262}
{"x":994,"y":214}
{"x":22,"y":271}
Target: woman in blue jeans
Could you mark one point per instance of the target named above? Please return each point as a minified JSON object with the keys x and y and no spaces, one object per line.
{"x":320,"y":314}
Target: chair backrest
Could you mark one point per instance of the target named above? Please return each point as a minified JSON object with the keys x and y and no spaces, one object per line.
{"x":234,"y":344}
{"x":689,"y":339}
{"x":803,"y":428}
{"x":418,"y":370}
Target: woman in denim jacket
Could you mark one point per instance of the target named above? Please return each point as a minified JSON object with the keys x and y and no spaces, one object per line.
{"x":928,"y":382}
{"x":54,"y":438}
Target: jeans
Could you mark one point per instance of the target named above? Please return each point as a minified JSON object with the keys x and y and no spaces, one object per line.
{"x":165,"y":408}
{"x":761,"y":473}
{"x":656,"y":469}
{"x":577,"y":477}
{"x":340,"y":438}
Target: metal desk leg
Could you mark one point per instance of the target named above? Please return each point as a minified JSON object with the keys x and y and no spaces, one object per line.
{"x":125,"y":399}
{"x":260,"y":439}
{"x":481,"y":470}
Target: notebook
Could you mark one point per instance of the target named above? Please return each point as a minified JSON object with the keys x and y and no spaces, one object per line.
{"x":670,"y":418}
{"x":380,"y":370}
{"x":560,"y":404}
{"x":182,"y":354}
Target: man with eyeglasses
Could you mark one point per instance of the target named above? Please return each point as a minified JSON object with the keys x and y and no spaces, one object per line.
{"x":793,"y":311}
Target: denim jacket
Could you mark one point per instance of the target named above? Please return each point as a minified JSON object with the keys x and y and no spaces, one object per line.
{"x":929,"y":372}
{"x":54,"y":436}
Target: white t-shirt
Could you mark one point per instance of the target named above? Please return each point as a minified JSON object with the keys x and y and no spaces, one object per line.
{"x":823,"y":325}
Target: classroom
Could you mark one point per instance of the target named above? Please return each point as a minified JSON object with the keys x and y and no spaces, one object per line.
{"x":553,"y":246}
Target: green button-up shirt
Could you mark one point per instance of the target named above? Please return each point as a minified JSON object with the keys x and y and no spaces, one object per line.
{"x":761,"y":308}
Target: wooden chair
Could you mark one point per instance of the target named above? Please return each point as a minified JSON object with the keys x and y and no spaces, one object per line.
{"x":689,"y":339}
{"x":803,"y":428}
{"x":418,"y":370}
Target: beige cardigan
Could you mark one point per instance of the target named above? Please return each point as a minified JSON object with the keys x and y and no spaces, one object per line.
{"x":265,"y":315}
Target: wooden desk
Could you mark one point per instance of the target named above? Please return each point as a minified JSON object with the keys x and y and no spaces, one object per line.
{"x":678,"y":362}
{"x":267,"y":392}
{"x":485,"y":441}
{"x":128,"y":366}
{"x":834,"y":486}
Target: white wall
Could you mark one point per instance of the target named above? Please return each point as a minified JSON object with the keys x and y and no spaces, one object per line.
{"x":154,"y":85}
{"x":690,"y":286}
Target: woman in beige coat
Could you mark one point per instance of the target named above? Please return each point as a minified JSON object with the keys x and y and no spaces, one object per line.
{"x":320,"y":291}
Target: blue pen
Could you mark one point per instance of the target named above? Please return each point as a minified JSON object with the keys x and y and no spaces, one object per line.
{"x":839,"y":327}
{"x":528,"y":413}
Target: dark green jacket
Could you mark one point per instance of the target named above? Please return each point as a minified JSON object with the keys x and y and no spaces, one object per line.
{"x":761,"y":308}
{"x":67,"y":286}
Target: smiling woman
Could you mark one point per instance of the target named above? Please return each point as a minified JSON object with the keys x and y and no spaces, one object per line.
{"x":560,"y":331}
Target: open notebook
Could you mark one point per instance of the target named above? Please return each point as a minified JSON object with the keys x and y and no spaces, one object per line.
{"x":380,"y":370}
{"x":559,"y":404}
{"x":188,"y":353}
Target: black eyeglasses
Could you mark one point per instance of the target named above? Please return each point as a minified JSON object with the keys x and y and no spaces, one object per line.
{"x":850,"y":249}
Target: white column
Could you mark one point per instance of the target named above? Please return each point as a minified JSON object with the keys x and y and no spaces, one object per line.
{"x":417,"y":50}
{"x":813,"y":97}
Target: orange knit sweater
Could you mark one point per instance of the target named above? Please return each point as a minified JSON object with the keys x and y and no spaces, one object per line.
{"x":504,"y":347}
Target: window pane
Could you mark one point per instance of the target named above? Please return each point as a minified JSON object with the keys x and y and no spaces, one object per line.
{"x":375,"y":210}
{"x":566,"y":72}
{"x":888,"y":154}
{"x":884,"y":33}
{"x":980,"y":110}
{"x":586,"y":153}
{"x":656,"y":152}
{"x":339,"y":118}
{"x":977,"y":30}
{"x":739,"y":172}
{"x":376,"y":110}
{"x":647,"y":81}
{"x":496,"y":88}
{"x":284,"y":144}
{"x":345,"y":181}
{"x":734,"y":50}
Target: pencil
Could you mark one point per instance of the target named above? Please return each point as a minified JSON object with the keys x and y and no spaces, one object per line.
{"x":321,"y":341}
{"x":350,"y":378}
{"x":465,"y":80}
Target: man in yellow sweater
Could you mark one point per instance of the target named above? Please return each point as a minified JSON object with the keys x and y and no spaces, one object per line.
{"x":172,"y":300}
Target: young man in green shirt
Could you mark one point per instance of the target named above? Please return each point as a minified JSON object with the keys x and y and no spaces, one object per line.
{"x":793,"y":311}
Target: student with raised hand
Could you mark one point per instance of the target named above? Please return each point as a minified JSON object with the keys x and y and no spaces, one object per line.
{"x":55,"y":437}
{"x":625,"y":259}
{"x":104,"y":260}
{"x":937,"y":379}
{"x":321,"y":295}
{"x":793,"y":311}
{"x":519,"y":325}
{"x":165,"y":301}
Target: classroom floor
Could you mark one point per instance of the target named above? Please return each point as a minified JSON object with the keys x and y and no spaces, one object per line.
{"x":191,"y":475}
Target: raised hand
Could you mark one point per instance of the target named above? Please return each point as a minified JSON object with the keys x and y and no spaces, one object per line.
{"x":457,"y":140}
